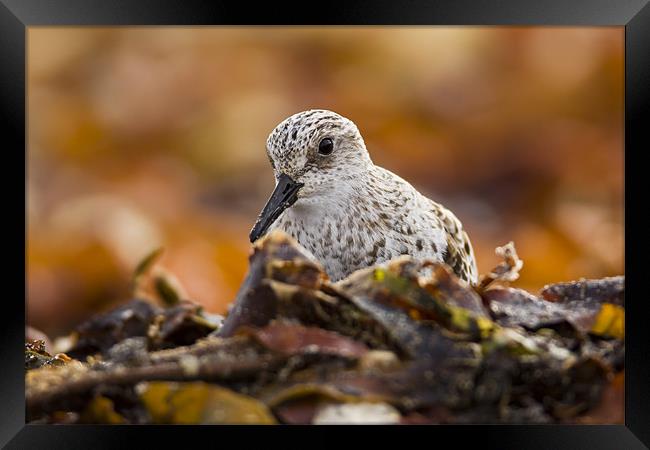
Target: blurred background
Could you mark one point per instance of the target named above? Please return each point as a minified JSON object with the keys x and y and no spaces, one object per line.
{"x":148,"y":137}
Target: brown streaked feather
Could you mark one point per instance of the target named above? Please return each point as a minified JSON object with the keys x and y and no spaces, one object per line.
{"x":459,"y":255}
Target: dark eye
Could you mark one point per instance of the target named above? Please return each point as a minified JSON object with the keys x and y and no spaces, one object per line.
{"x":326,"y":146}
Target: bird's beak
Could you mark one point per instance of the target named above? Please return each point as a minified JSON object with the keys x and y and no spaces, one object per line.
{"x":284,"y":195}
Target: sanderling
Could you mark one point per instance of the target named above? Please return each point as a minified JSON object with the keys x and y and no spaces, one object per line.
{"x":348,"y":212}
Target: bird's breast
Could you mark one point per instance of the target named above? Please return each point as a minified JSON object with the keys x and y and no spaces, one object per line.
{"x":343,"y":243}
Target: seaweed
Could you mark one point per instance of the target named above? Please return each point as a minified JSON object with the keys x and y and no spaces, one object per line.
{"x":405,"y":342}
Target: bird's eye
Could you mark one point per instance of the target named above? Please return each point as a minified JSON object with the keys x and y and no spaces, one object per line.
{"x":326,"y":146}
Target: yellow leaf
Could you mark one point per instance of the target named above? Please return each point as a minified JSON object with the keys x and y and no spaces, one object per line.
{"x":610,"y":321}
{"x":100,"y":410}
{"x":198,"y":402}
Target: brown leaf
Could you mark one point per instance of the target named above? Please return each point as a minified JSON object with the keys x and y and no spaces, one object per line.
{"x":291,"y":338}
{"x":275,"y":254}
{"x":102,"y":331}
{"x":508,"y":270}
{"x":610,"y":290}
{"x":516,"y":307}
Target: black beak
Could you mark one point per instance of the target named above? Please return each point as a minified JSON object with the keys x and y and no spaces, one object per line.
{"x":284,"y":195}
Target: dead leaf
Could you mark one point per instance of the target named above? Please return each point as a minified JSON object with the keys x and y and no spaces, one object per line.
{"x":201,"y":403}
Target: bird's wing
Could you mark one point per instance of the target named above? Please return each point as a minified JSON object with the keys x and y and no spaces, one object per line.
{"x":459,"y":255}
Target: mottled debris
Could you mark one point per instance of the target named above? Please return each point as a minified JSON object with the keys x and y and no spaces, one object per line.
{"x":385,"y":345}
{"x":507,"y":270}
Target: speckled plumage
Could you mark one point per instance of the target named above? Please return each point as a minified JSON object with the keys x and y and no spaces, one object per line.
{"x":351,"y":213}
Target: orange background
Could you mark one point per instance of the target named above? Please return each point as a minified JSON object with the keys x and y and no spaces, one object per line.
{"x":142,"y":137}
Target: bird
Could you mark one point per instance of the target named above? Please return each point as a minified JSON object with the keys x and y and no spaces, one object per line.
{"x":348,"y":212}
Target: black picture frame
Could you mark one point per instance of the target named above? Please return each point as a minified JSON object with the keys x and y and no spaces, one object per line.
{"x":17,"y":15}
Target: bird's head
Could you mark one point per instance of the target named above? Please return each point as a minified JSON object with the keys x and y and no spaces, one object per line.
{"x":315,"y":155}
